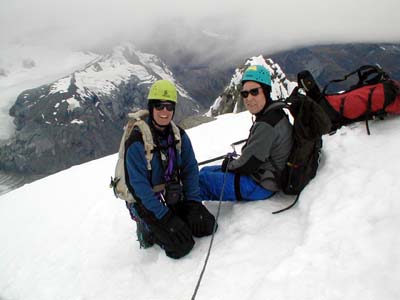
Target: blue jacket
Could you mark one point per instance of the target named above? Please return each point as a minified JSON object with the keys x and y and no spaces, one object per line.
{"x":136,"y":165}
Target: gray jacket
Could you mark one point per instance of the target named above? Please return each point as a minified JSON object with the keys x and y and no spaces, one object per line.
{"x":270,"y":139}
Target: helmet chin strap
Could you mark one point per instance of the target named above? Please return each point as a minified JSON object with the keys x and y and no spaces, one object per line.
{"x":158,"y":125}
{"x":267,"y":103}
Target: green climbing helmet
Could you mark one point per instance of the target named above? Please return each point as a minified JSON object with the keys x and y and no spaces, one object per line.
{"x":163,"y":90}
{"x":257,"y":73}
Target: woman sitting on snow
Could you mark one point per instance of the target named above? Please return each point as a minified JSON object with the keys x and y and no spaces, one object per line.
{"x":167,"y":207}
{"x":252,"y":175}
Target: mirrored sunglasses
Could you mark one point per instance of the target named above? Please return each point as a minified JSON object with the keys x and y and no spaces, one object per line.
{"x":161,"y":105}
{"x":253,"y":92}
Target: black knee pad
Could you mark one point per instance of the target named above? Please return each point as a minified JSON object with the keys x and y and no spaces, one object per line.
{"x":179,"y":250}
{"x":197,"y":216}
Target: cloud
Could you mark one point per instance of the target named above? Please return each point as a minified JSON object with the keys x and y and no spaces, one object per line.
{"x":236,"y":26}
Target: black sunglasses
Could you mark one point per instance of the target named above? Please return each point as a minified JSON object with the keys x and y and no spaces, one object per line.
{"x":253,"y":92}
{"x":161,"y":105}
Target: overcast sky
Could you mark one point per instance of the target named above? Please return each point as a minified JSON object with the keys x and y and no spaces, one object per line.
{"x":256,"y":24}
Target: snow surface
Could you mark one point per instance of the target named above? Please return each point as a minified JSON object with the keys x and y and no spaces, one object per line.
{"x":67,"y":237}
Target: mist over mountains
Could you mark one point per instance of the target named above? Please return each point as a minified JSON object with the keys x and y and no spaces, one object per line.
{"x":328,"y":62}
{"x":79,"y":117}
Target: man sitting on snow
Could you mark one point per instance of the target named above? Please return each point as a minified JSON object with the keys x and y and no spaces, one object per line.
{"x":253,"y":175}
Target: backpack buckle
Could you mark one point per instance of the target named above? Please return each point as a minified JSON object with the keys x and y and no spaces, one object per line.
{"x":113,"y":185}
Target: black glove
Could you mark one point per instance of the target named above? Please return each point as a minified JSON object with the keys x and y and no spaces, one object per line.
{"x":173,"y":235}
{"x":225,"y":162}
{"x":197,"y":216}
{"x":228,"y":158}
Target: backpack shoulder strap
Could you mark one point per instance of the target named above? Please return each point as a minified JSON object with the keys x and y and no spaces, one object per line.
{"x":119,"y":183}
{"x":137,"y":120}
{"x":277,"y":105}
{"x":177,"y":136}
{"x":368,"y":74}
{"x":280,"y":105}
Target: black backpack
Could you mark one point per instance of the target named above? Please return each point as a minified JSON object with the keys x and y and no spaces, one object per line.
{"x":310,"y":123}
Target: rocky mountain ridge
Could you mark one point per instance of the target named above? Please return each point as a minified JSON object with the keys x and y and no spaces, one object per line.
{"x":80,"y":117}
{"x":328,"y":62}
{"x":325,"y":62}
{"x":230,"y":100}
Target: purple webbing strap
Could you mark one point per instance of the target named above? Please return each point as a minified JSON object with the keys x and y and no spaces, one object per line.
{"x":171,"y":158}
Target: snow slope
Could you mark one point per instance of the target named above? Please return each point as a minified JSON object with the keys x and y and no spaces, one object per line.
{"x":66,"y":237}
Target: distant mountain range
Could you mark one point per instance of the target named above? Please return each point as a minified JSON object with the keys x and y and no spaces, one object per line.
{"x":325,"y":62}
{"x":230,"y":100}
{"x":206,"y":81}
{"x":80,"y":116}
{"x":330,"y":62}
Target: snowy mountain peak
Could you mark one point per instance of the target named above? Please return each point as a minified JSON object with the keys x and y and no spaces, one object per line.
{"x":101,"y":81}
{"x":80,"y":116}
{"x":230,"y":100}
{"x":105,"y":75}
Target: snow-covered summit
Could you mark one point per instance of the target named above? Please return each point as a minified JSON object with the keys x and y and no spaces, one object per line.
{"x":25,"y":66}
{"x":80,"y":116}
{"x":104,"y":75}
{"x":230,"y":101}
{"x":67,"y":237}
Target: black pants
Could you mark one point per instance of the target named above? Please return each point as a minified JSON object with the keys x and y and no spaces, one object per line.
{"x":194,"y":214}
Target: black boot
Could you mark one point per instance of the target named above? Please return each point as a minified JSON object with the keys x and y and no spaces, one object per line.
{"x":144,"y":236}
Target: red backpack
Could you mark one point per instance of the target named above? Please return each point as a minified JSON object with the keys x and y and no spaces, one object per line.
{"x":374,"y":95}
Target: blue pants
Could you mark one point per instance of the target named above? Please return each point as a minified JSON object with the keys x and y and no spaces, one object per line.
{"x":211,"y":181}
